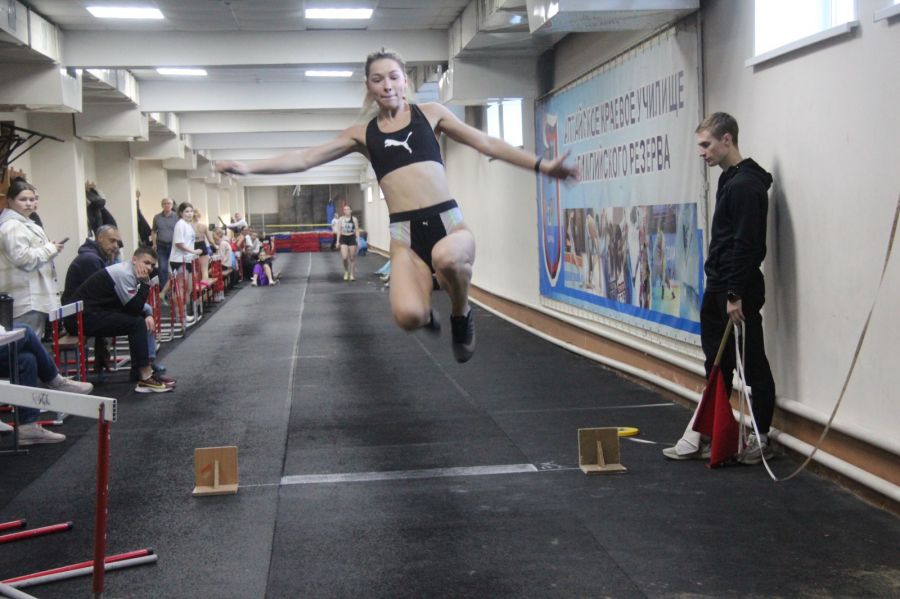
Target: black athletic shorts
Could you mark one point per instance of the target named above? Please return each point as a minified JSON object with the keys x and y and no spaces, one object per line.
{"x":421,"y":229}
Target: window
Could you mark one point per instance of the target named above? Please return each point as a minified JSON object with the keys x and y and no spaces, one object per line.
{"x":888,"y":12}
{"x":504,"y":120}
{"x":785,"y":26}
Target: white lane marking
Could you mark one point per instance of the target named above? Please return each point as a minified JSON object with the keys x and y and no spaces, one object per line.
{"x":296,"y":353}
{"x":356,"y":477}
{"x":585,"y":409}
{"x":636,"y":440}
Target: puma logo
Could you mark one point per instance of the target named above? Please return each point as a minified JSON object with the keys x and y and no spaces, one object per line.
{"x":389,"y":143}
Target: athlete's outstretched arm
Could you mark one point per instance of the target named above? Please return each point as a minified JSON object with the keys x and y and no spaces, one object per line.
{"x":297,"y":161}
{"x":498,"y":148}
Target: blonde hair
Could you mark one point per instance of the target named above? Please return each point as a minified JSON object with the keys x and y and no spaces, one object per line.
{"x":370,"y":107}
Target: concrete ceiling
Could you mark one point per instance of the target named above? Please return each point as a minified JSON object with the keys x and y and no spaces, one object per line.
{"x":256,"y":100}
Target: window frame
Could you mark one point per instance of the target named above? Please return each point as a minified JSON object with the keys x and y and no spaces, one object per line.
{"x":805,"y":42}
{"x":498,"y":105}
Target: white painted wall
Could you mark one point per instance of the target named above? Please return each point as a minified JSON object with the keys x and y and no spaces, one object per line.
{"x":177,"y":184}
{"x":262,"y":200}
{"x":197,"y":190}
{"x":153,"y":183}
{"x":116,"y":179}
{"x":498,"y":203}
{"x":90,"y":161}
{"x":825,"y":122}
{"x":57,"y":170}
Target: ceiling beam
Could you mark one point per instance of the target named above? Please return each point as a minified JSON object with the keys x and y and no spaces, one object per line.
{"x":264,"y":153}
{"x":259,"y":121}
{"x":205,"y":96}
{"x":314,"y":177}
{"x":149,"y":49}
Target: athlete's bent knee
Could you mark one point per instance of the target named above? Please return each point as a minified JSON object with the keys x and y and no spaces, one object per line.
{"x":410,"y":319}
{"x":449,"y":262}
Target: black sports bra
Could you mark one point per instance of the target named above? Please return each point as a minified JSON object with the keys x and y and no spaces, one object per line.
{"x":411,"y":144}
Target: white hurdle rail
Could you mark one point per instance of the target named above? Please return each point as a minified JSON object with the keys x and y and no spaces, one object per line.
{"x":49,"y":400}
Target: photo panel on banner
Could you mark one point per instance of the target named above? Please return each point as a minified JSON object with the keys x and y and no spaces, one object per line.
{"x":627,"y":242}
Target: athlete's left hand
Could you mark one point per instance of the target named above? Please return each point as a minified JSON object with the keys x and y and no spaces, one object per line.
{"x":558,"y":169}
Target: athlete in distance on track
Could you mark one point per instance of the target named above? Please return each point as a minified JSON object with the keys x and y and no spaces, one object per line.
{"x":426,"y":226}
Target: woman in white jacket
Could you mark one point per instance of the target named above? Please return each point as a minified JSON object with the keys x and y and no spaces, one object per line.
{"x":26,"y":259}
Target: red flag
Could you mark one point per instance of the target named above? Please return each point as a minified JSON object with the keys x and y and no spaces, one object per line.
{"x":714,"y":416}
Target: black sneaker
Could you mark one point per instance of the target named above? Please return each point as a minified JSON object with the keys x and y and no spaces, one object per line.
{"x":433,"y":326}
{"x":463,"y":328}
{"x":152,"y":384}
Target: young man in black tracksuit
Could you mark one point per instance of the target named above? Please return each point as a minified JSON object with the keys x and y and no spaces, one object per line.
{"x":735,"y":288}
{"x":115,"y":303}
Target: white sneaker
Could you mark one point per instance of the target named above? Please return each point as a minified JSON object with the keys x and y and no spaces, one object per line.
{"x":684,"y":450}
{"x":61,"y":383}
{"x":34,"y":433}
{"x":755,"y":451}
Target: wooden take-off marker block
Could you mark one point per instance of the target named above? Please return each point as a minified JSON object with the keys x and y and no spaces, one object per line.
{"x":598,"y":450}
{"x":215,"y":471}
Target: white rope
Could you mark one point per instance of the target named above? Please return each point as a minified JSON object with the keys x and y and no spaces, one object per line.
{"x":746,"y":391}
{"x":740,"y":342}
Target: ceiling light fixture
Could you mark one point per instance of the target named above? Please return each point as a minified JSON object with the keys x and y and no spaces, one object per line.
{"x":320,"y":73}
{"x":338,"y":13}
{"x":124,"y":12}
{"x":181,"y":71}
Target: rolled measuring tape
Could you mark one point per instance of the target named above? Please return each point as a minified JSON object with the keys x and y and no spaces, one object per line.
{"x":628,"y":431}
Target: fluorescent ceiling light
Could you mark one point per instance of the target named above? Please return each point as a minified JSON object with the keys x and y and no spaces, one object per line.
{"x":338,"y":13}
{"x":124,"y":12}
{"x":315,"y":73}
{"x":182,"y":72}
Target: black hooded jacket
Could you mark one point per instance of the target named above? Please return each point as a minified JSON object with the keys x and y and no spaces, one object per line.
{"x":90,"y":259}
{"x":737,"y":243}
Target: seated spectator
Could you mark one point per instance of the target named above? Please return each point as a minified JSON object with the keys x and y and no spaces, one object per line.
{"x":262,"y":271}
{"x":115,"y":304}
{"x":248,"y":256}
{"x":223,"y":252}
{"x":35,"y":364}
{"x":93,"y":255}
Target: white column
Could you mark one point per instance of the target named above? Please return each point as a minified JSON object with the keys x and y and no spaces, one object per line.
{"x":213,"y":201}
{"x":153,"y":184}
{"x":178,"y":187}
{"x":58,"y":173}
{"x":198,"y":196}
{"x":115,"y":174}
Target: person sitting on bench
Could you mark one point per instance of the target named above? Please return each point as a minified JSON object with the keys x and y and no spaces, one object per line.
{"x":262,"y":271}
{"x":115,"y":303}
{"x":34,"y":363}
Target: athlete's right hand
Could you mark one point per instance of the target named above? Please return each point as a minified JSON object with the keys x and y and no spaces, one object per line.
{"x":232,"y":167}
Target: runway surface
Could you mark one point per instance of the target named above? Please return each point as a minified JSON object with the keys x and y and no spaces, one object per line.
{"x":372,"y":464}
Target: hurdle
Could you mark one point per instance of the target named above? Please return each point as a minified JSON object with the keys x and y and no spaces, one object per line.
{"x":105,"y":411}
